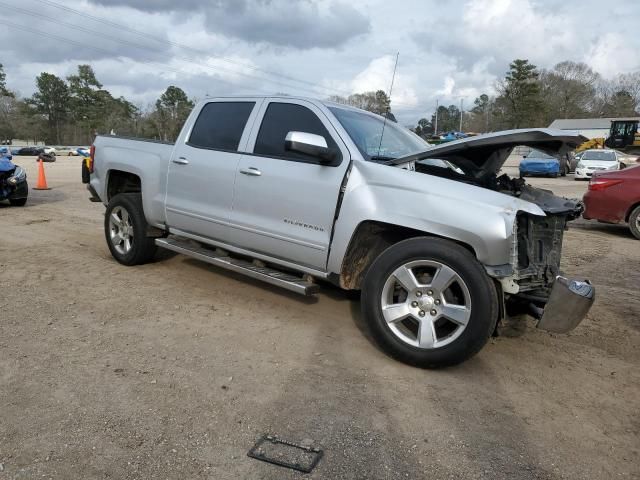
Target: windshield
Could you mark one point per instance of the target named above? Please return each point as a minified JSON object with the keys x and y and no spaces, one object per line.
{"x":601,"y":155}
{"x":366,"y":130}
{"x":539,"y":154}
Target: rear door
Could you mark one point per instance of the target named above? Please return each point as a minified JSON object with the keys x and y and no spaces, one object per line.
{"x":285,"y":202}
{"x":204,"y":165}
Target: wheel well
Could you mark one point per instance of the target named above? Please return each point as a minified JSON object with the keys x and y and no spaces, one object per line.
{"x":369,"y":240}
{"x":631,"y":209}
{"x":122,"y":182}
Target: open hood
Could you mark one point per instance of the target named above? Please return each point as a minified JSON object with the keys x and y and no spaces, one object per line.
{"x":485,"y":154}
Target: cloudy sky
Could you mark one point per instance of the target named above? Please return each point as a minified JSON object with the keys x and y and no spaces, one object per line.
{"x":448,"y":50}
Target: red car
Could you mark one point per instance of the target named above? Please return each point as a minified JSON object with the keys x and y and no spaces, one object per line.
{"x":614,"y":197}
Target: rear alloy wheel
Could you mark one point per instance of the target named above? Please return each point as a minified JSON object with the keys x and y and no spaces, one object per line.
{"x":125,"y":230}
{"x":634,"y":222}
{"x":429,"y":302}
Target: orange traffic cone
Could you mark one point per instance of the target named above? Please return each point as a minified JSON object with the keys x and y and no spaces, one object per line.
{"x":42,"y":180}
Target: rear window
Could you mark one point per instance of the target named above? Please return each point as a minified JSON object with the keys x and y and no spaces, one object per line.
{"x":220,"y":125}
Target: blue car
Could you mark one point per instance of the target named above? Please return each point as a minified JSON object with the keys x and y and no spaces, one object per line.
{"x":13,"y":180}
{"x":539,"y":163}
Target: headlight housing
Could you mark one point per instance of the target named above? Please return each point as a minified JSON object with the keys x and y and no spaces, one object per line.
{"x":18,"y":176}
{"x":580,"y":165}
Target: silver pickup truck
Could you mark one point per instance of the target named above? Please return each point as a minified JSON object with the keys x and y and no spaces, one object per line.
{"x":297,"y":192}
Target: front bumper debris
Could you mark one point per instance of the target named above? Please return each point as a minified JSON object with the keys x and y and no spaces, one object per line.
{"x":569,"y":302}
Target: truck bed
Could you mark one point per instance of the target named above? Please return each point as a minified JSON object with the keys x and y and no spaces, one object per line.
{"x":147,"y":158}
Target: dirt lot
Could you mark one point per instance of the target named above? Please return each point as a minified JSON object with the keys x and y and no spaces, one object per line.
{"x":174,"y":369}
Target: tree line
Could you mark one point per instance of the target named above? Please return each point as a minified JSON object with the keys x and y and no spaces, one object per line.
{"x":72,"y":110}
{"x":531,"y":97}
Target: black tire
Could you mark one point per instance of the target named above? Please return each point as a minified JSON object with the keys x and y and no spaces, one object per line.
{"x":142,"y":248}
{"x":85,"y":174}
{"x":482,"y":291}
{"x":634,"y":222}
{"x":18,"y":202}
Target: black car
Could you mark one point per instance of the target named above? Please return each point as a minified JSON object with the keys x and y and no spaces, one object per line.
{"x":13,"y":183}
{"x":33,"y":151}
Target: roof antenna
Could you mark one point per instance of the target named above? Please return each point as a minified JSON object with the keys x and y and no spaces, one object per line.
{"x":384,"y":124}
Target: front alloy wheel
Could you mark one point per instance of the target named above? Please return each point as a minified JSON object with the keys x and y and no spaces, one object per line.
{"x":429,"y":302}
{"x":426,"y":304}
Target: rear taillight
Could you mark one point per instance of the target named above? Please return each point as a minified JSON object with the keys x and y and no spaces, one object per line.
{"x":597,"y":184}
{"x":92,"y":153}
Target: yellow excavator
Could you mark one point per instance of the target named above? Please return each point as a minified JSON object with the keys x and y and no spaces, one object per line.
{"x":591,"y":143}
{"x":623,"y":136}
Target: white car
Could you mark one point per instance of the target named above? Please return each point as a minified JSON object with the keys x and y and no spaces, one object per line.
{"x":596,"y":160}
{"x":49,"y":151}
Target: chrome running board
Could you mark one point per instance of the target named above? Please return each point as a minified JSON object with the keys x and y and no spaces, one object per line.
{"x":269,"y":275}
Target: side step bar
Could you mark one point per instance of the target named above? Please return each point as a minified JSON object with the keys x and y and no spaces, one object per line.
{"x":268,"y":275}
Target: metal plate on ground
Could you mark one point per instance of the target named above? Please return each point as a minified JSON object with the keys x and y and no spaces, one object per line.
{"x":272,"y":449}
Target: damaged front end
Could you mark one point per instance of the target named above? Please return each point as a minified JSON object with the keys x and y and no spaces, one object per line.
{"x":558,"y":303}
{"x":532,"y":282}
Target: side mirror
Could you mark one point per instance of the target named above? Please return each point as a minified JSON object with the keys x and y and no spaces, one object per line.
{"x":309,"y":144}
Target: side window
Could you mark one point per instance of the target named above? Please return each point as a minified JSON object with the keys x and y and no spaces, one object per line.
{"x":282,"y":118}
{"x":220,"y":125}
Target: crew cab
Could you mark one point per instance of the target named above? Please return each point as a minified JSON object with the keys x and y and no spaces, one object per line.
{"x":297,"y":192}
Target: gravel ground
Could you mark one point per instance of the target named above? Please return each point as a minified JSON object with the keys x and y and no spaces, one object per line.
{"x":174,"y":369}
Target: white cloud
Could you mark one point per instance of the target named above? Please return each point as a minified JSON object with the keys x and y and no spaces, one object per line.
{"x":377,"y":76}
{"x":612,"y":54}
{"x":446,"y":51}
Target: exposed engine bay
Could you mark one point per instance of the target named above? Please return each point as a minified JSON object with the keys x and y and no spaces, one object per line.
{"x":537,"y":240}
{"x":531,"y":283}
{"x":537,"y":247}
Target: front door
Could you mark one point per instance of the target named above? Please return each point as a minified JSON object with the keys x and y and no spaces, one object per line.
{"x":203,"y":168}
{"x":285,"y":202}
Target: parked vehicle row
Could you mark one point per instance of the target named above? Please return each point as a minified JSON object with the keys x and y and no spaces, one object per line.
{"x":33,"y":151}
{"x":584,"y":164}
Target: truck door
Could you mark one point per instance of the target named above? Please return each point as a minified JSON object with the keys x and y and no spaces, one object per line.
{"x":204,"y":165}
{"x":284,"y":202}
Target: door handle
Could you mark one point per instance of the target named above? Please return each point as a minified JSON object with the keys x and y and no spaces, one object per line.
{"x":253,"y":171}
{"x":181,"y":161}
